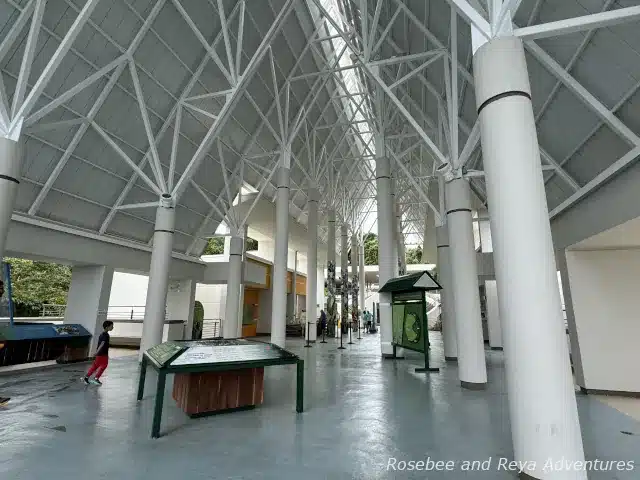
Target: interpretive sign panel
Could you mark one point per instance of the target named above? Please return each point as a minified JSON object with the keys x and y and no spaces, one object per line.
{"x":215,"y":352}
{"x":164,"y":352}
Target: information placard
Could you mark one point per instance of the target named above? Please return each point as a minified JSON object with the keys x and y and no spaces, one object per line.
{"x":164,"y":352}
{"x":200,"y":354}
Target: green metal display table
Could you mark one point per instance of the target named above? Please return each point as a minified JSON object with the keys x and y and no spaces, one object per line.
{"x":198,"y":362}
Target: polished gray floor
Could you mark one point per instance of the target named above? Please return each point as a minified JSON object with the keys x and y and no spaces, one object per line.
{"x":360,"y":411}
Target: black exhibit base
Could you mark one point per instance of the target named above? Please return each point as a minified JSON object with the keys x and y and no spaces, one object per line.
{"x":451,"y":359}
{"x":473,"y":385}
{"x":430,"y":369}
{"x":497,"y":348}
{"x":221,"y":412}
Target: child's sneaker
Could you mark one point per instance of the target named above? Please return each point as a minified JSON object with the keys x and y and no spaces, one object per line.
{"x":84,"y":380}
{"x":95,"y":381}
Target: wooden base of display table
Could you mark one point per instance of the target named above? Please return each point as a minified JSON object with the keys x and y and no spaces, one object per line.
{"x":208,"y":393}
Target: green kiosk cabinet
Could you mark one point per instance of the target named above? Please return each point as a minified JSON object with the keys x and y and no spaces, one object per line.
{"x":409,"y":313}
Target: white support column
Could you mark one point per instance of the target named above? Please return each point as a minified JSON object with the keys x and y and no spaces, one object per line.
{"x":155,"y":308}
{"x":386,"y":258}
{"x":542,"y":403}
{"x":292,"y":298}
{"x":279,"y":303}
{"x":361,"y":277}
{"x":493,"y":314}
{"x":490,"y":286}
{"x":402,"y":256}
{"x":10,"y":164}
{"x":447,"y":303}
{"x":429,"y":243}
{"x":245,"y":236}
{"x":312,"y":262}
{"x":394,"y":230}
{"x":355,"y":280}
{"x":320,"y":296}
{"x":472,"y":368}
{"x":332,"y":311}
{"x":233,"y":313}
{"x":344,"y":274}
{"x":88,"y":299}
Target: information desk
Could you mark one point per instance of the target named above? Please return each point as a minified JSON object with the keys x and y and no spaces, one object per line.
{"x":26,"y":342}
{"x":213,"y":376}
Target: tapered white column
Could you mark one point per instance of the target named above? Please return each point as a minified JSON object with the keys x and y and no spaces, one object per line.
{"x":542,"y":403}
{"x":10,"y":164}
{"x":293,"y":296}
{"x":429,"y":243}
{"x":394,"y":229}
{"x":361,"y":278}
{"x":332,"y":309}
{"x":233,"y":314}
{"x":472,"y":368}
{"x":402,"y":254}
{"x":312,"y":262}
{"x":155,"y":308}
{"x":279,"y":301}
{"x":448,"y":311}
{"x":344,"y":273}
{"x":355,"y":281}
{"x":386,"y":234}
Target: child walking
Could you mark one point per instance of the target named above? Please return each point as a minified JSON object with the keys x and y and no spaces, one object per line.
{"x":102,"y":356}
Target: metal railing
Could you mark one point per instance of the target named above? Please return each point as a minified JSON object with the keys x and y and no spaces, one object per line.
{"x":52,"y":310}
{"x":211,"y":328}
{"x":124,"y":312}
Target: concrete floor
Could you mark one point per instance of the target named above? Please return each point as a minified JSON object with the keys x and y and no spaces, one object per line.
{"x":360,"y":410}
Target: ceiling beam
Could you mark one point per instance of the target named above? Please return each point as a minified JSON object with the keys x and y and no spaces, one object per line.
{"x":579,"y":24}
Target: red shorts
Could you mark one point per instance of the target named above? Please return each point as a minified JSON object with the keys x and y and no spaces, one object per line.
{"x":99,"y":366}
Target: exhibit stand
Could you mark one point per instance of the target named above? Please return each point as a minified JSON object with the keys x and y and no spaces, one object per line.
{"x":215,"y":376}
{"x":409,"y":313}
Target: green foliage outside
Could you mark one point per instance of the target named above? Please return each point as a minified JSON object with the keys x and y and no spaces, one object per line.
{"x":35,"y":283}
{"x":414,"y":255}
{"x":252,"y":245}
{"x":370,"y":249}
{"x":215,"y":246}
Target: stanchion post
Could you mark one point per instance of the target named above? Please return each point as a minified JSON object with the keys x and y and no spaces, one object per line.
{"x":359,"y":336}
{"x":324,"y":329}
{"x":341,"y":347}
{"x":308,"y":344}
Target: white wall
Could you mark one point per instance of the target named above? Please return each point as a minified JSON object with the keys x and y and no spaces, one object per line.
{"x":213,"y":299}
{"x":87,"y":299}
{"x":129,"y":290}
{"x":605,"y":301}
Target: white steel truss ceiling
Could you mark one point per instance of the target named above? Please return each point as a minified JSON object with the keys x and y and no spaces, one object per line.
{"x":118,"y":101}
